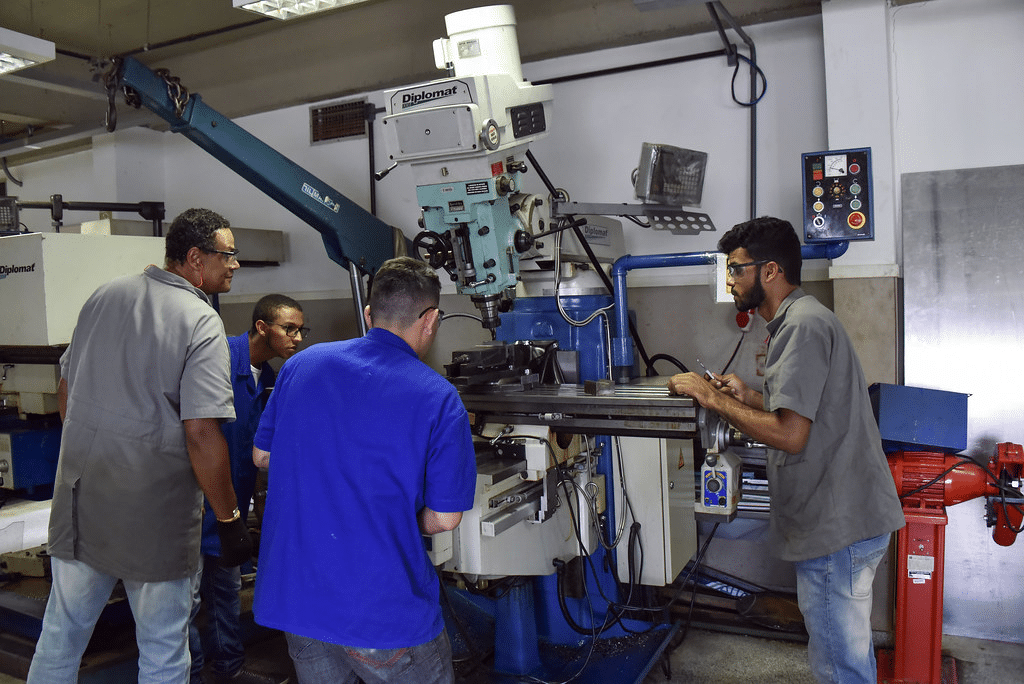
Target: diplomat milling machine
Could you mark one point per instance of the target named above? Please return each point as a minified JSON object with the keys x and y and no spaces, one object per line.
{"x":585,"y":484}
{"x":585,"y":487}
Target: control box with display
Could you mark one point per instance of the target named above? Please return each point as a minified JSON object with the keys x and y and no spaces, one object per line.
{"x":837,"y":195}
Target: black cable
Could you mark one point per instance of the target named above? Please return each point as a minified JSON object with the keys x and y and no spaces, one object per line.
{"x":937,"y":478}
{"x":665,"y":357}
{"x":743,"y":336}
{"x":560,"y":570}
{"x":696,"y":565}
{"x":1006,"y":515}
{"x":613,"y":617}
{"x":633,"y":332}
{"x":996,"y":482}
{"x":460,"y":626}
{"x":693,"y":594}
{"x":764,"y":81}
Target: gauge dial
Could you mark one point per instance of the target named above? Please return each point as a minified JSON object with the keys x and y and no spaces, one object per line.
{"x":835,"y":165}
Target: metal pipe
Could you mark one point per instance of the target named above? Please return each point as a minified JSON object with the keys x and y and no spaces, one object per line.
{"x":356,"y":280}
{"x":632,"y":67}
{"x":622,"y":350}
{"x":713,"y":9}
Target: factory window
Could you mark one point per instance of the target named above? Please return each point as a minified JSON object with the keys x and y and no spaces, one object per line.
{"x":337,"y":121}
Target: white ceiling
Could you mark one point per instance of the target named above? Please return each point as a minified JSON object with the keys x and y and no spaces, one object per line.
{"x":242,"y":64}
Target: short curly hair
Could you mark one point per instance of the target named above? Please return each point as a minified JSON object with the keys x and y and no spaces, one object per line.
{"x":767,"y":238}
{"x":269,"y":306}
{"x":192,"y":228}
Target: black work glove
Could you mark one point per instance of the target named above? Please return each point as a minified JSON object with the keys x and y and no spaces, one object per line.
{"x":235,"y":542}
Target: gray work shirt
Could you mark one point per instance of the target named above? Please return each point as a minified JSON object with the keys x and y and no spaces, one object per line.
{"x":839,"y":489}
{"x":148,"y":352}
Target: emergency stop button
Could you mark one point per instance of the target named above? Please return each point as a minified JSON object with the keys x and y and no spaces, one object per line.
{"x":856,"y":220}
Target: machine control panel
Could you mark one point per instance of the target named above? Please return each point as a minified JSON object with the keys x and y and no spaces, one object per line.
{"x":837,"y":195}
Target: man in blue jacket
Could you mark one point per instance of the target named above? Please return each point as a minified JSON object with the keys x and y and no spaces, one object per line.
{"x":277,"y":330}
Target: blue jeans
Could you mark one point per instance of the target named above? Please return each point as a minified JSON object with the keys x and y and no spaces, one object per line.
{"x":834,"y":593}
{"x":77,"y":597}
{"x":217,"y":591}
{"x":319,"y":661}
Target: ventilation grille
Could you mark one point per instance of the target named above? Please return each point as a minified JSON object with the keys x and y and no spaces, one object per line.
{"x":337,"y":121}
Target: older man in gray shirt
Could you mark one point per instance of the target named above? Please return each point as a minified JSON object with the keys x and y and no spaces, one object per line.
{"x":834,"y":503}
{"x":144,"y":386}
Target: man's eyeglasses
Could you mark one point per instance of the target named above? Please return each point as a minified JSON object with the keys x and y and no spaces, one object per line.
{"x":231,"y":254}
{"x":734,"y":269}
{"x":292,"y":331}
{"x":430,"y":308}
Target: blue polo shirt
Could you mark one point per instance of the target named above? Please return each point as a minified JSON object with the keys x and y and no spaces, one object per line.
{"x":250,"y":398}
{"x":361,"y":435}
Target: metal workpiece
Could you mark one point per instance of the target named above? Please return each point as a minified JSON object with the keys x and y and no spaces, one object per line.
{"x":629,"y":410}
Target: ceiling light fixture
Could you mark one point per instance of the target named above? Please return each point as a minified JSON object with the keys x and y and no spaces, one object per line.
{"x":18,"y":51}
{"x":289,"y":9}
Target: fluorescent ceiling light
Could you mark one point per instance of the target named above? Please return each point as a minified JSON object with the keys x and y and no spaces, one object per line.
{"x":18,"y":51}
{"x":288,"y":9}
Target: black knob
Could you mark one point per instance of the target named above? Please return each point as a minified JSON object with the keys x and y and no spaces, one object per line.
{"x":523,"y":241}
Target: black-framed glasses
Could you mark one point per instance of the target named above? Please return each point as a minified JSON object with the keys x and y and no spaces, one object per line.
{"x":292,"y":331}
{"x":734,"y":269}
{"x":231,"y":254}
{"x":440,"y":313}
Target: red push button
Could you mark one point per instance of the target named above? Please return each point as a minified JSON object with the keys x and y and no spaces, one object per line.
{"x":854,"y":168}
{"x":856,"y":220}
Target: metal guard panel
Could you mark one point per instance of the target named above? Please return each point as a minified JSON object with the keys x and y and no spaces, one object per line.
{"x":641,"y":411}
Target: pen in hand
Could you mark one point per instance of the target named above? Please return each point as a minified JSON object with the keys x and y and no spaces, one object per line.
{"x":707,"y":371}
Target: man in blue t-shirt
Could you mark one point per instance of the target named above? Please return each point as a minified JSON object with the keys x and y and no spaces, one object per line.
{"x":368,"y":450}
{"x":277,"y":330}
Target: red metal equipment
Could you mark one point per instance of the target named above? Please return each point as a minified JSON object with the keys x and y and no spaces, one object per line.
{"x":928,"y":482}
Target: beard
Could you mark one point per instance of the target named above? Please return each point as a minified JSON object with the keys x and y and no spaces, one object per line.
{"x":752,"y":299}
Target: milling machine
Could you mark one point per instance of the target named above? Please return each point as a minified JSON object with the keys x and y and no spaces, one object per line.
{"x":584,"y":486}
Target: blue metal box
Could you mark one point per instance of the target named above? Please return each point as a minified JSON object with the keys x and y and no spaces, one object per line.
{"x":919,"y":419}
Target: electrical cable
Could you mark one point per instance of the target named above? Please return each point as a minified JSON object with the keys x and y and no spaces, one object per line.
{"x":759,"y":72}
{"x":459,"y":625}
{"x":460,"y":314}
{"x":743,"y":336}
{"x":558,"y":281}
{"x":996,"y":482}
{"x":665,"y":357}
{"x":937,"y":478}
{"x":585,"y":554}
{"x":590,"y":255}
{"x":595,"y":631}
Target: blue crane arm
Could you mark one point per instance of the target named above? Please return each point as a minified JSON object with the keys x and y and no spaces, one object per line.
{"x":351,"y":235}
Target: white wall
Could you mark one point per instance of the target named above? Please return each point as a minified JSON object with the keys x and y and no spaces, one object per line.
{"x":957,"y":83}
{"x":600,"y":124}
{"x":956,"y":104}
{"x":594,"y":144}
